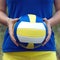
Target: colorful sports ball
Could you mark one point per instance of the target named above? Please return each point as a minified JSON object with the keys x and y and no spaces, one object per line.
{"x":30,"y":31}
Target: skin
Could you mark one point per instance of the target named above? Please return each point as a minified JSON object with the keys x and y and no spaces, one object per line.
{"x":9,"y":22}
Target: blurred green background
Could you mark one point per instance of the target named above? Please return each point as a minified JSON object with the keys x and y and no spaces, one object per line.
{"x":57,"y":38}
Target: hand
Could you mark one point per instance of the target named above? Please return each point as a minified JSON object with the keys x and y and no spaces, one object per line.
{"x":49,"y":31}
{"x":11,"y":23}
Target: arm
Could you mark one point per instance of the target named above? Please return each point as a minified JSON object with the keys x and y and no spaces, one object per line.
{"x":9,"y":22}
{"x":56,"y":18}
{"x":3,"y":16}
{"x":53,"y":21}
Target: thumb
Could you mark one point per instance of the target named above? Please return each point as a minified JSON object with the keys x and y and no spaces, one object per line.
{"x":45,"y":19}
{"x":15,"y":20}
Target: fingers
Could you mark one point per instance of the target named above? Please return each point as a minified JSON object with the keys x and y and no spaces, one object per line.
{"x":11,"y":32}
{"x":45,"y":19}
{"x":49,"y":31}
{"x":12,"y":36}
{"x":47,"y":39}
{"x":15,"y":20}
{"x":13,"y":39}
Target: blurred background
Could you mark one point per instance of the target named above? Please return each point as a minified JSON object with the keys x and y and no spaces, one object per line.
{"x":57,"y":37}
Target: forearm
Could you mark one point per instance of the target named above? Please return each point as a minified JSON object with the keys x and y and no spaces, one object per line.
{"x":3,"y":18}
{"x":55,"y":19}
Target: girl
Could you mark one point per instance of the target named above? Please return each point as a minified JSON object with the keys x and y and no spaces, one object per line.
{"x":16,"y":8}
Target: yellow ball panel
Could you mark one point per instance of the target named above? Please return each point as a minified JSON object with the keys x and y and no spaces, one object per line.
{"x":30,"y":32}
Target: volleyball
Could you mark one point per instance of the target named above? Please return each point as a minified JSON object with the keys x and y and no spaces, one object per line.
{"x":30,"y":30}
